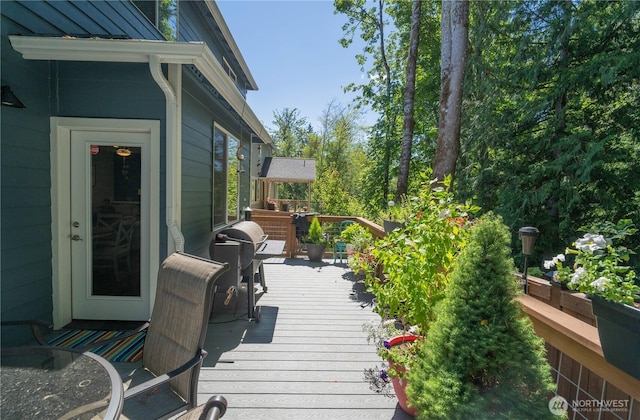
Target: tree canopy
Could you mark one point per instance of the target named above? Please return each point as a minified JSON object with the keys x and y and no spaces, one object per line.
{"x":550,"y":128}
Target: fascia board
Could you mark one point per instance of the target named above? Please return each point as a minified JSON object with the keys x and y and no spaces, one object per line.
{"x":226,"y":33}
{"x":106,"y":50}
{"x":139,"y":51}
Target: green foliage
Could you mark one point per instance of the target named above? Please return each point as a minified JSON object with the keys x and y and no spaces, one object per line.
{"x":168,"y":18}
{"x":331,"y":196}
{"x":315,"y":232}
{"x":384,"y":57}
{"x":418,"y":259}
{"x":398,"y":212}
{"x":600,"y":266}
{"x":550,"y":123}
{"x":361,"y":239}
{"x":291,"y":133}
{"x":481,"y":358}
{"x":357,"y":235}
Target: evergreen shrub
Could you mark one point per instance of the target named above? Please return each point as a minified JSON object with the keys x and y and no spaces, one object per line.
{"x":482,"y":358}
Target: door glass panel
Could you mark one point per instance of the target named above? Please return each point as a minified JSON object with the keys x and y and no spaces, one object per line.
{"x":232,"y":179}
{"x":115,"y":204}
{"x":219,"y":178}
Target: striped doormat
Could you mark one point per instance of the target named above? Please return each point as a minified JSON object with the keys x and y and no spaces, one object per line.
{"x":128,"y":350}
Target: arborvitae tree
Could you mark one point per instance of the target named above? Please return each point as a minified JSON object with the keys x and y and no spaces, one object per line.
{"x":481,"y":358}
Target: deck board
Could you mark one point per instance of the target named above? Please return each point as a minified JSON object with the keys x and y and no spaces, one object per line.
{"x":305,"y":358}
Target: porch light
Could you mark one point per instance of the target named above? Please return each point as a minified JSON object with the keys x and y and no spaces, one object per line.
{"x":528,"y":236}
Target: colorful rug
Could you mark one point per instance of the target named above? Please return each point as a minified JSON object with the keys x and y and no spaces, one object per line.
{"x":128,"y":350}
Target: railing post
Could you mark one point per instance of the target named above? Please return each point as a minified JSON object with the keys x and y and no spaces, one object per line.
{"x":292,"y":242}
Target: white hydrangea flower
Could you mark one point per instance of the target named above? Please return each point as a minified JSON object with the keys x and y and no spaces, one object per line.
{"x":601,"y":283}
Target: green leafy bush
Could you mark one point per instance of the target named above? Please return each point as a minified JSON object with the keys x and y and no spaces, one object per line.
{"x":482,"y":358}
{"x":417,"y":260}
{"x":361,"y":239}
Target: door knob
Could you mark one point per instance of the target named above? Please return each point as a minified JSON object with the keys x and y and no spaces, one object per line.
{"x":76,"y":238}
{"x":75,"y":224}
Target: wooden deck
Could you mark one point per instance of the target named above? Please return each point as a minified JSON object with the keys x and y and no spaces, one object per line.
{"x":305,"y":358}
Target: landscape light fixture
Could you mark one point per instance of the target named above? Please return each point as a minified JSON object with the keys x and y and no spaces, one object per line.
{"x":528,"y":236}
{"x":10,"y":99}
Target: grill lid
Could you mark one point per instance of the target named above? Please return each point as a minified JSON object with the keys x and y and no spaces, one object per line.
{"x":250,"y":236}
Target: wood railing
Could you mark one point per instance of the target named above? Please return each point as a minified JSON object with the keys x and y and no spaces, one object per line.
{"x":280,"y":225}
{"x":565,"y":321}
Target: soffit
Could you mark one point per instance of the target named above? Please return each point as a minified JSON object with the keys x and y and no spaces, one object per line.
{"x":140,"y":51}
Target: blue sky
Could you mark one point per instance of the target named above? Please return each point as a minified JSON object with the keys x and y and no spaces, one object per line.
{"x":293,"y":53}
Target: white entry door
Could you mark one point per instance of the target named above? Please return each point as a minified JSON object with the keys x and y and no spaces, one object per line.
{"x":109,"y":223}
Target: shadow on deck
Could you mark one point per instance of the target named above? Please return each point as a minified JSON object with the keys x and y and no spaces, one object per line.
{"x":305,"y":357}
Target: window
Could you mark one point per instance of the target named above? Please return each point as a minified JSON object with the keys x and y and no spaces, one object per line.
{"x":230,"y":72}
{"x":225,"y":178}
{"x":163,"y":14}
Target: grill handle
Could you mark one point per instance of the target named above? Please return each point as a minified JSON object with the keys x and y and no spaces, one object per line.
{"x":222,"y":236}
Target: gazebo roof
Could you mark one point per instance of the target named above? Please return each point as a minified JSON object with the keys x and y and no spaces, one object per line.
{"x":298,"y":170}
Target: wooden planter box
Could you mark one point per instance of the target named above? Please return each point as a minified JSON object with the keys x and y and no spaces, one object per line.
{"x":573,"y":303}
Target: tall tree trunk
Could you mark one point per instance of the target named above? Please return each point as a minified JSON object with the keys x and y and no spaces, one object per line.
{"x":455,"y":29}
{"x":391,"y":125}
{"x":409,"y":102}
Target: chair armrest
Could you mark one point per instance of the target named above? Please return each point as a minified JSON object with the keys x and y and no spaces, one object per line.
{"x":158,"y":380}
{"x":128,"y":334}
{"x":215,"y":407}
{"x":35,"y":326}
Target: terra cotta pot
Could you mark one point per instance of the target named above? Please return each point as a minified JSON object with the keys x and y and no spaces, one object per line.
{"x":399,"y":385}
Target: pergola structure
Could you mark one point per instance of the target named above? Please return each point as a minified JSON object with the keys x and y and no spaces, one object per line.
{"x":277,"y":170}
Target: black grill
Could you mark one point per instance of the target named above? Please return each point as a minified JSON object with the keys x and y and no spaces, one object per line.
{"x":251,"y":248}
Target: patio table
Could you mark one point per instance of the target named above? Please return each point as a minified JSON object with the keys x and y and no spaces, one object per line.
{"x":56,"y":382}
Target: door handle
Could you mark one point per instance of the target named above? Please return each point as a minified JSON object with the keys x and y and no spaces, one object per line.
{"x":76,"y":238}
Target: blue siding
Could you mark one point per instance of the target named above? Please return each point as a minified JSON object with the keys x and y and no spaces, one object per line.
{"x":199,"y":112}
{"x":115,"y":90}
{"x":92,"y":90}
{"x":84,"y":90}
{"x":80,"y":18}
{"x":25,"y":239}
{"x":197,"y":181}
{"x":195,"y":25}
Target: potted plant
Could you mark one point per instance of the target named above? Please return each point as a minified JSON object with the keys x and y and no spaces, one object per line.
{"x":601,"y":272}
{"x":316,"y":242}
{"x":271,"y":204}
{"x":396,"y":216}
{"x":408,"y":270}
{"x":357,"y":239}
{"x":482,"y":357}
{"x":396,"y":348}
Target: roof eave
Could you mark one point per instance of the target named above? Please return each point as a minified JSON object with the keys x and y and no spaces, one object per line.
{"x":217,"y":15}
{"x":140,"y":51}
